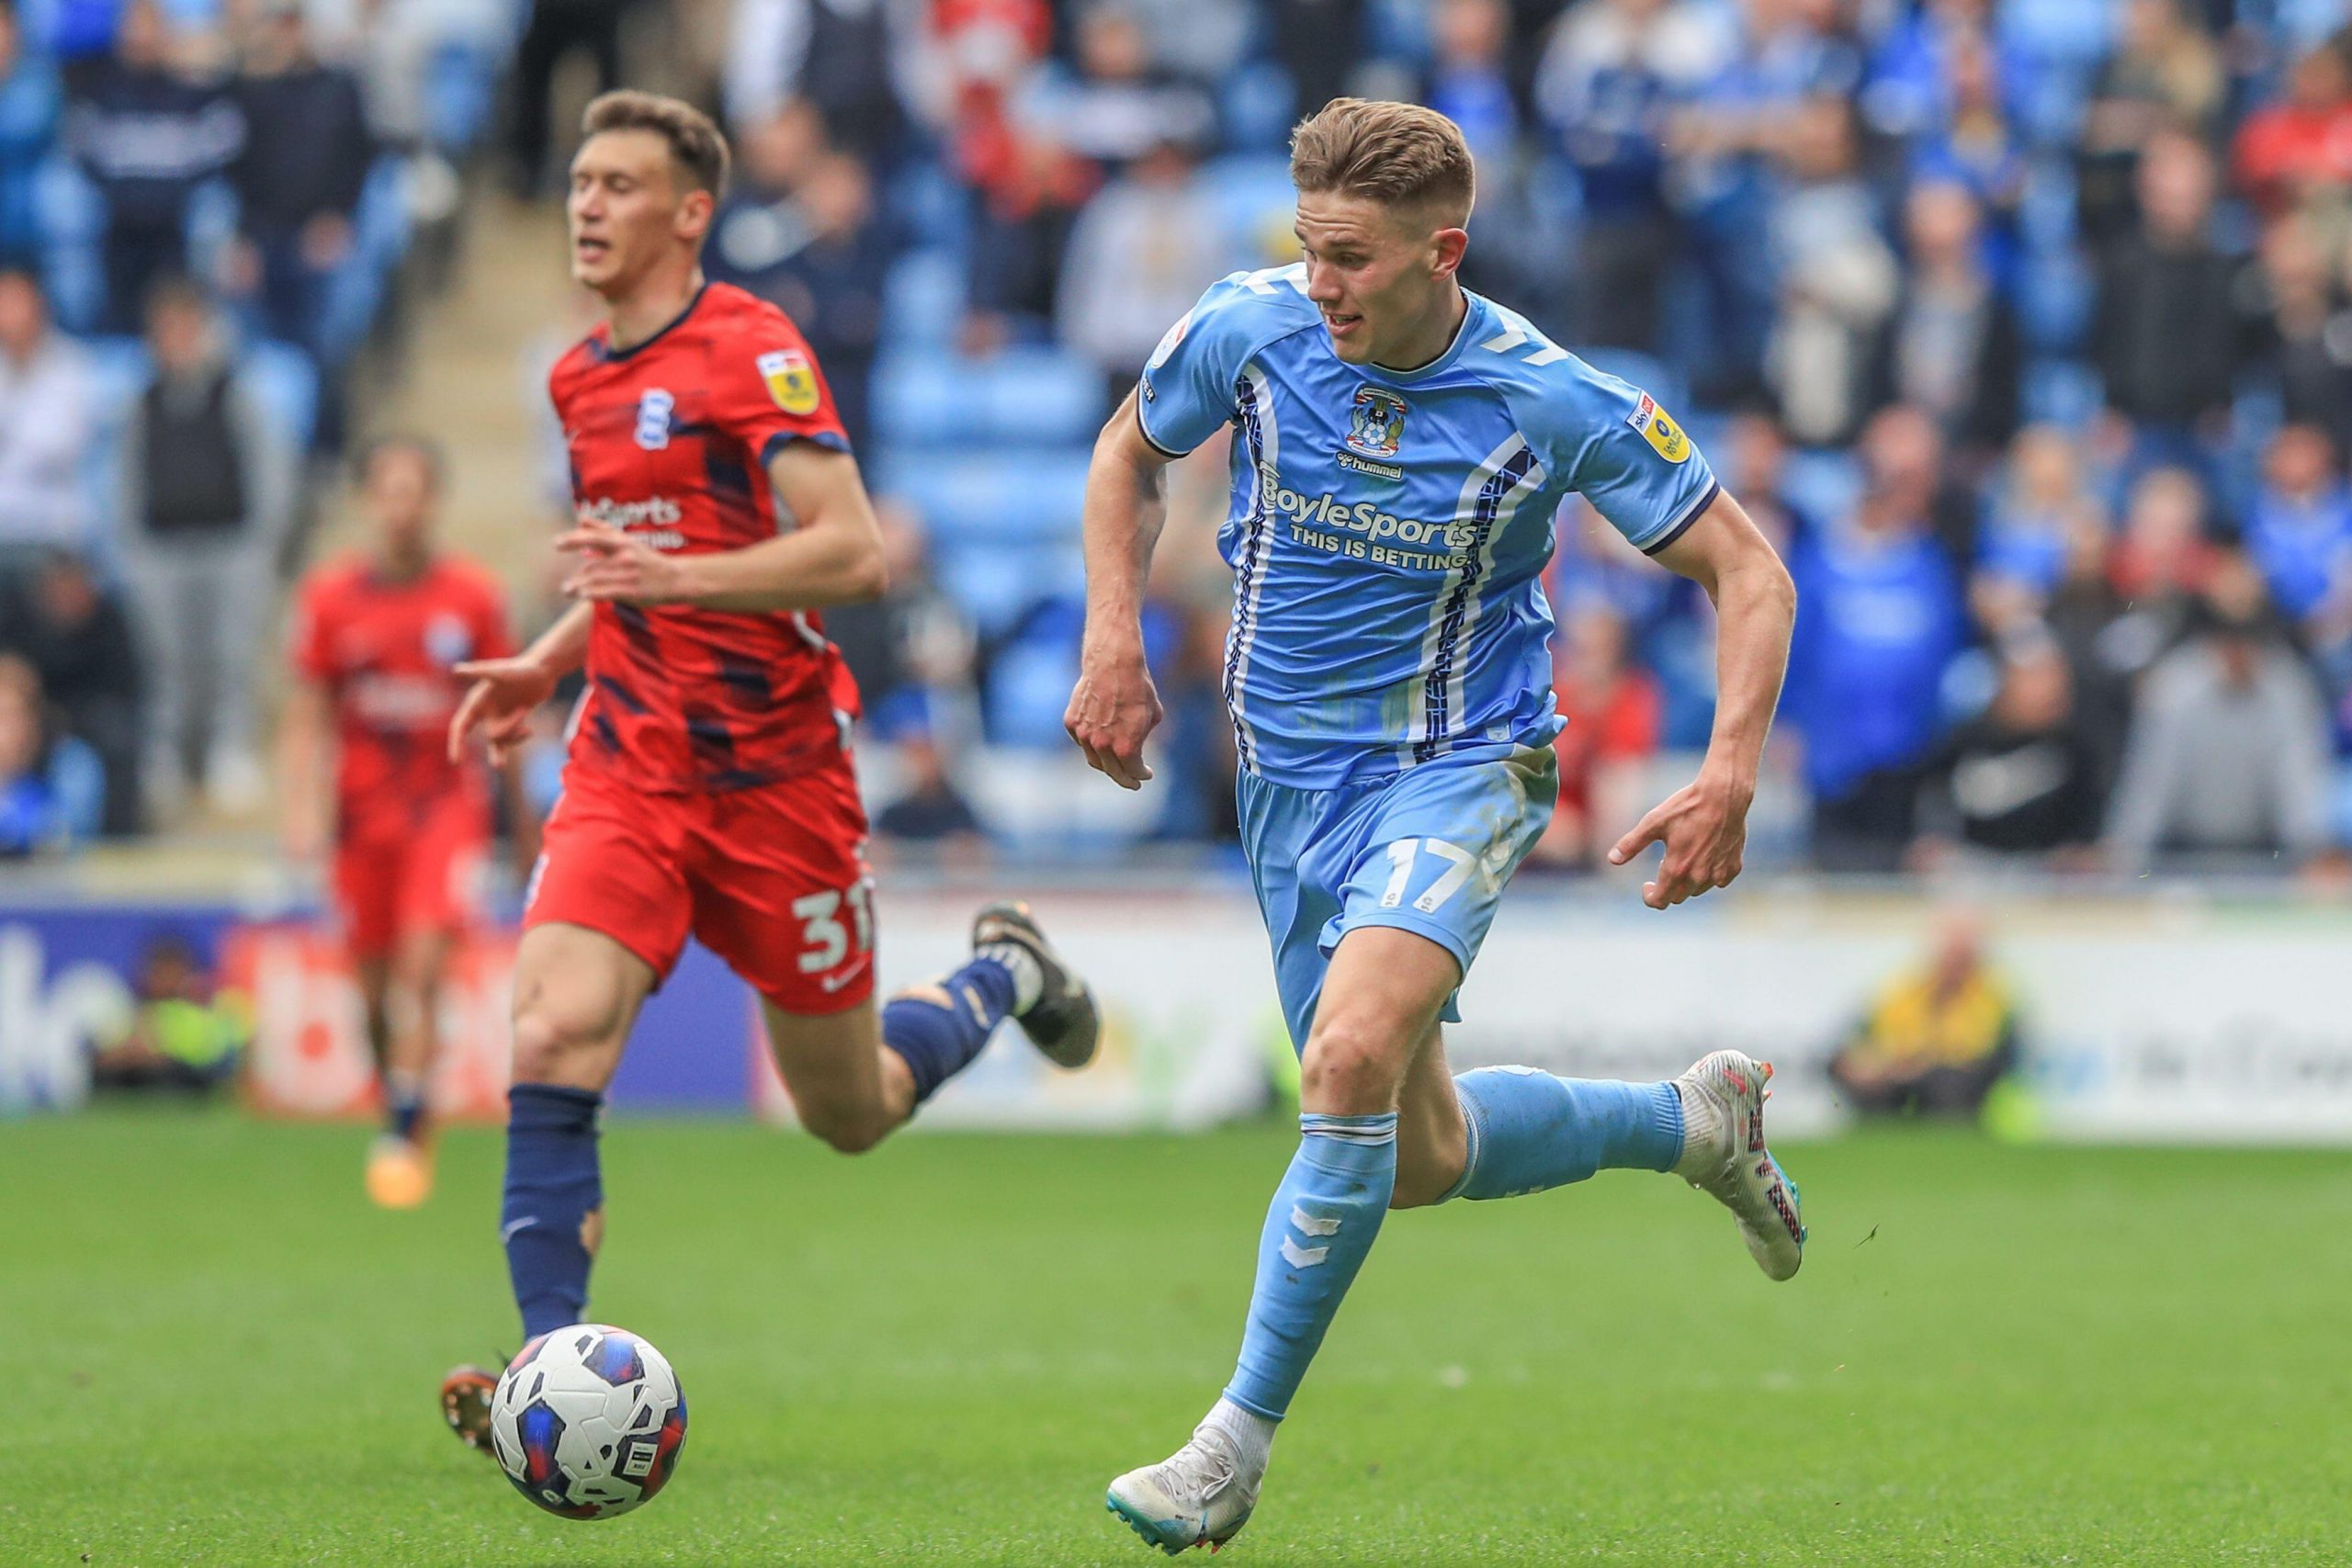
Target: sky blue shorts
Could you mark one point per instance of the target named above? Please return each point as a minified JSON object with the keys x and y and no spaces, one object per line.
{"x":1428,"y":850}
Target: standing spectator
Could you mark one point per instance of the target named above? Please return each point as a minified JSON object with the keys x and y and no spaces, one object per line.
{"x":29,"y":112}
{"x":2166,"y":333}
{"x":74,"y":632}
{"x":2031,"y":529}
{"x":1318,"y":44}
{"x":1879,"y":621}
{"x":298,"y":181}
{"x":52,"y":788}
{"x":557,"y":28}
{"x":1468,"y":82}
{"x":206,"y":487}
{"x":821,"y":258}
{"x":1143,"y":250}
{"x":1838,"y":278}
{"x":844,"y":58}
{"x":2166,"y":74}
{"x":1974,"y":148}
{"x":1613,"y":709}
{"x":2299,"y":530}
{"x":911,"y":650}
{"x":48,"y":420}
{"x":2161,"y":568}
{"x":929,"y":816}
{"x":2022,"y":776}
{"x":1952,"y":346}
{"x":148,"y":135}
{"x":2307,"y":335}
{"x":2228,"y":753}
{"x":1120,"y":103}
{"x":1612,"y":73}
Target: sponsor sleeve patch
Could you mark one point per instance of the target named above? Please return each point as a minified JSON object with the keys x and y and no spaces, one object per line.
{"x":791,"y":381}
{"x":1657,"y":428}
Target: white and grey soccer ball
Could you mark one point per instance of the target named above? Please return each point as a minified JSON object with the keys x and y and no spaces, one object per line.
{"x":587,"y":1421}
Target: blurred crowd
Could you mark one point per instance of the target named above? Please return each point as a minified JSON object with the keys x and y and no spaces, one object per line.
{"x":2024,"y":326}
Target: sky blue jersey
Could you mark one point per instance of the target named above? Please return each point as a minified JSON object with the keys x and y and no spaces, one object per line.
{"x":1388,"y":527}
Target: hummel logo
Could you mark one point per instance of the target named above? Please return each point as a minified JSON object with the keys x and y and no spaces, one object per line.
{"x":1309,"y":1225}
{"x":506,"y":1232}
{"x":1299,"y":1257}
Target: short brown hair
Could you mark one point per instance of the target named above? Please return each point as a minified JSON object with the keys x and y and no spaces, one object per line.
{"x":696,"y":147}
{"x":1401,"y":154}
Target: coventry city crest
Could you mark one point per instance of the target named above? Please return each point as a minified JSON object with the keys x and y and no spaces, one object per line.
{"x":1377,"y":424}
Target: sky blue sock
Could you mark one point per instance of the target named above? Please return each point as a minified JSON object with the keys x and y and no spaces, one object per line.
{"x":936,"y":1043}
{"x":1322,"y":1223}
{"x":1530,"y":1132}
{"x":552,"y":1186}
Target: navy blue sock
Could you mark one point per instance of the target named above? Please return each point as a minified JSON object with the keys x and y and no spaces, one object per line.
{"x":555,"y":1201}
{"x":936,"y":1043}
{"x":404,"y":1104}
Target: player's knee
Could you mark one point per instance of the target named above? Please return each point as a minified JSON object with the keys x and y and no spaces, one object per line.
{"x":559,"y":1043}
{"x":844,"y":1129}
{"x":1351,"y":1067}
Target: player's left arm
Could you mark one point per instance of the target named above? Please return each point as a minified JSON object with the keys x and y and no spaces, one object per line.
{"x":1704,"y":824}
{"x":834,"y":556}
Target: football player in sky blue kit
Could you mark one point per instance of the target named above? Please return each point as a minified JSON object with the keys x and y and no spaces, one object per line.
{"x":1400,"y":449}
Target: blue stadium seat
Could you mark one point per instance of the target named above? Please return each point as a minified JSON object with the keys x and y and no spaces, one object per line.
{"x":1255,"y":203}
{"x":922,"y":298}
{"x":2061,"y":391}
{"x":1823,"y":484}
{"x":2055,"y":301}
{"x":995,"y":584}
{"x":1007,"y":496}
{"x":1020,"y":397}
{"x":461,"y":89}
{"x":286,"y":385}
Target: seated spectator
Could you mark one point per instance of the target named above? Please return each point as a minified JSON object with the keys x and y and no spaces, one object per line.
{"x":1613,"y":708}
{"x":1935,"y":1040}
{"x":47,"y":420}
{"x":758,"y":224}
{"x":929,"y":817}
{"x":2161,"y":568}
{"x":30,"y":95}
{"x":1879,"y":619}
{"x":2033,"y":527}
{"x":1121,"y":103}
{"x":71,"y":629}
{"x":912,"y":650}
{"x":2166,"y":333}
{"x":1952,"y":347}
{"x":52,"y":788}
{"x":844,"y":58}
{"x":1838,"y":279}
{"x":554,"y":31}
{"x":2228,"y":753}
{"x":2297,"y":153}
{"x":2299,"y":530}
{"x":184,"y":1037}
{"x":1903,"y":453}
{"x":1142,"y":251}
{"x":206,"y":487}
{"x":2022,"y":776}
{"x":2306,"y":333}
{"x":298,"y":177}
{"x":149,"y":134}
{"x":1319,"y":45}
{"x":1974,"y":147}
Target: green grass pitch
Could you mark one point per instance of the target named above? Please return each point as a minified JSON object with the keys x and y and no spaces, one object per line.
{"x":941,"y":1352}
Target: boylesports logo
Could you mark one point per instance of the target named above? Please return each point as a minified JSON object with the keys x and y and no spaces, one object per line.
{"x":1364,"y":517}
{"x":1377,"y":424}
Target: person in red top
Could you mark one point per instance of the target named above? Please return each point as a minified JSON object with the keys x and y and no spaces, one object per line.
{"x":375,"y":634}
{"x":709,"y":789}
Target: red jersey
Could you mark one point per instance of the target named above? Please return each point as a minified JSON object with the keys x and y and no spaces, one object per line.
{"x":382,"y":649}
{"x":671,"y":441}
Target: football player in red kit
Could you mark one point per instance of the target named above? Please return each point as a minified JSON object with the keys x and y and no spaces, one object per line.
{"x":708,"y":790}
{"x":375,"y":634}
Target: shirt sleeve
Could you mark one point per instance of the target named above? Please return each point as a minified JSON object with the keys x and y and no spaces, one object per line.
{"x":1186,"y":391}
{"x":1637,"y":465}
{"x":766,"y":390}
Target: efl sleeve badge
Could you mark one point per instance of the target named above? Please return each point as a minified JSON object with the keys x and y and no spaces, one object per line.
{"x":1659,"y":430}
{"x":791,"y":381}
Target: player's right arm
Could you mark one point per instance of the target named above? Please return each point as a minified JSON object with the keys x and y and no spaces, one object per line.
{"x":1185,"y":393}
{"x":505,"y":692}
{"x":1116,"y":706}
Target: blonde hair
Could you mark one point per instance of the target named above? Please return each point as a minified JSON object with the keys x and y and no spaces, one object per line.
{"x":1398,"y":155}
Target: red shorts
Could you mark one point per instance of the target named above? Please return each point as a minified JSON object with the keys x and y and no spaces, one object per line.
{"x":393,"y":880}
{"x":772,"y":879}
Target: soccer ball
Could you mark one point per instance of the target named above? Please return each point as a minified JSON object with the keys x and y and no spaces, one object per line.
{"x":587,"y":1421}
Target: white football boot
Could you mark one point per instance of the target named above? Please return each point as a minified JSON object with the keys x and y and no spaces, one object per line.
{"x":1198,"y":1497}
{"x":1724,"y":1155}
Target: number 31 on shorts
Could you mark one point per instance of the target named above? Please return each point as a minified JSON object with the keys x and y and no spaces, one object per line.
{"x":824,"y":940}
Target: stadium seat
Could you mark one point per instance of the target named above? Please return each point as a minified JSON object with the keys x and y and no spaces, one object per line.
{"x":1255,"y":205}
{"x":922,"y":298}
{"x":994,"y":496}
{"x":994,"y":584}
{"x":1020,"y":397}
